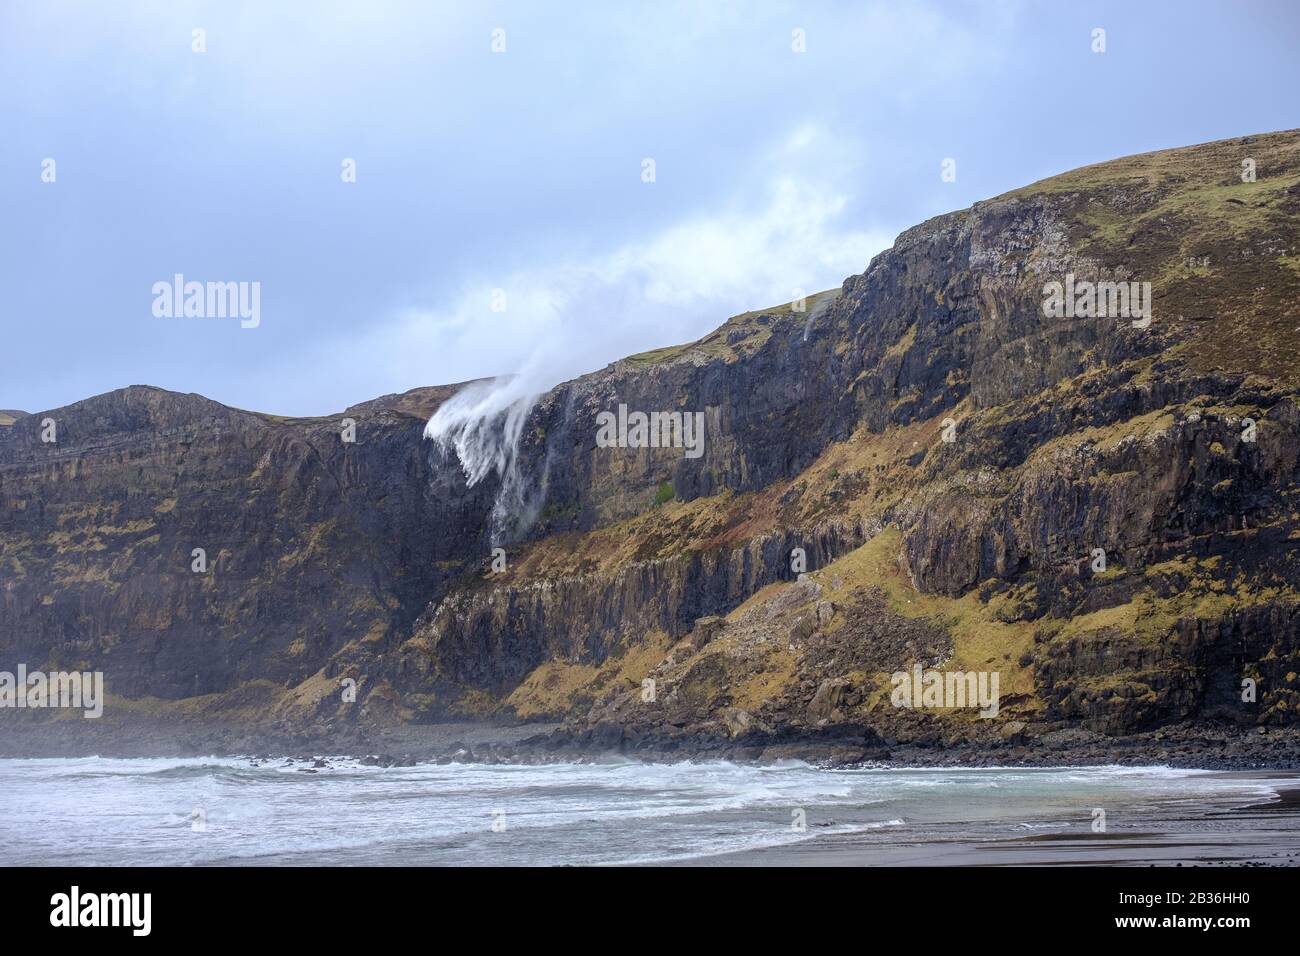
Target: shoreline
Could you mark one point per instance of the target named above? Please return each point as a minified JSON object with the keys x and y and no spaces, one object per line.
{"x":1253,"y":835}
{"x":1189,"y":746}
{"x":908,"y":813}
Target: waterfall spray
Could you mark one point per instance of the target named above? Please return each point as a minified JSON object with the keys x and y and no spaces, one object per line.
{"x":483,"y":423}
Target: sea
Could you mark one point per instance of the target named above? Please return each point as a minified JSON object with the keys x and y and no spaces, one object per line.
{"x":247,"y":811}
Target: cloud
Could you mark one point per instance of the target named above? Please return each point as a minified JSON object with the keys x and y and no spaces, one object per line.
{"x":478,"y":171}
{"x":788,"y":229}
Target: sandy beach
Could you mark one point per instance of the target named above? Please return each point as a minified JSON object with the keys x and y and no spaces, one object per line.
{"x":1263,"y":834}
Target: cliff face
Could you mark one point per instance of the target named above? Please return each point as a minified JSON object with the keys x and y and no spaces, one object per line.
{"x":921,"y":467}
{"x":311,"y":543}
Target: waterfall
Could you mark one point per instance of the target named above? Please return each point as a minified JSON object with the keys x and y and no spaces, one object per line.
{"x":483,"y":423}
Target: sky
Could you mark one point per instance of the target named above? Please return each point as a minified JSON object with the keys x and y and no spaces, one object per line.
{"x":503,"y":217}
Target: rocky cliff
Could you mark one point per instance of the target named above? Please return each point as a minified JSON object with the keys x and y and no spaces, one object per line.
{"x":923,"y":467}
{"x":185,"y":548}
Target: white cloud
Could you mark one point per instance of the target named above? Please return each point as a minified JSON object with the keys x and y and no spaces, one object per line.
{"x":565,"y":318}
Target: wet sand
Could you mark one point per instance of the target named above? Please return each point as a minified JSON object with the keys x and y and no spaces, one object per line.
{"x":1263,"y":834}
